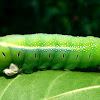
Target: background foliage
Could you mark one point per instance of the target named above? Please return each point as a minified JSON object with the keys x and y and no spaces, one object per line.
{"x":76,"y":17}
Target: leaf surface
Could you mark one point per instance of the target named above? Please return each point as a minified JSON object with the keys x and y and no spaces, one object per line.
{"x":51,"y":85}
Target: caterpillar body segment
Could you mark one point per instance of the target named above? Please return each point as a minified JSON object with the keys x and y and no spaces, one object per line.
{"x":49,"y":50}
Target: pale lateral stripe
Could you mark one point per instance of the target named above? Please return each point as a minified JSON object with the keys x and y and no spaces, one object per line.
{"x":27,"y":47}
{"x":74,"y":91}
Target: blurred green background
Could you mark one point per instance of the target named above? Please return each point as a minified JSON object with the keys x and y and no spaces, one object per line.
{"x":75,"y":17}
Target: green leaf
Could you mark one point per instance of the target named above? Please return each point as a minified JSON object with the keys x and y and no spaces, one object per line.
{"x":51,"y":85}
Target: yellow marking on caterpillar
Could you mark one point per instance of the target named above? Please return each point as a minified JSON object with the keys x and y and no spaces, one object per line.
{"x":39,"y":47}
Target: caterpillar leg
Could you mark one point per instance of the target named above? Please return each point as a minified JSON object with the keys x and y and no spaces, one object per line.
{"x":66,"y":69}
{"x":99,"y":67}
{"x":12,"y":70}
{"x":27,"y":71}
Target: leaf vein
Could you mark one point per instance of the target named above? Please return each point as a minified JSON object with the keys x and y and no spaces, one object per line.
{"x":51,"y":84}
{"x":8,"y":86}
{"x":74,"y":91}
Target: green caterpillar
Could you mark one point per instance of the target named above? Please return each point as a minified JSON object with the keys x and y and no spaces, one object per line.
{"x":26,"y":52}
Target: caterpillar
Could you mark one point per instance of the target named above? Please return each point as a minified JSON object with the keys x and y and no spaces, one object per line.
{"x":26,"y":52}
